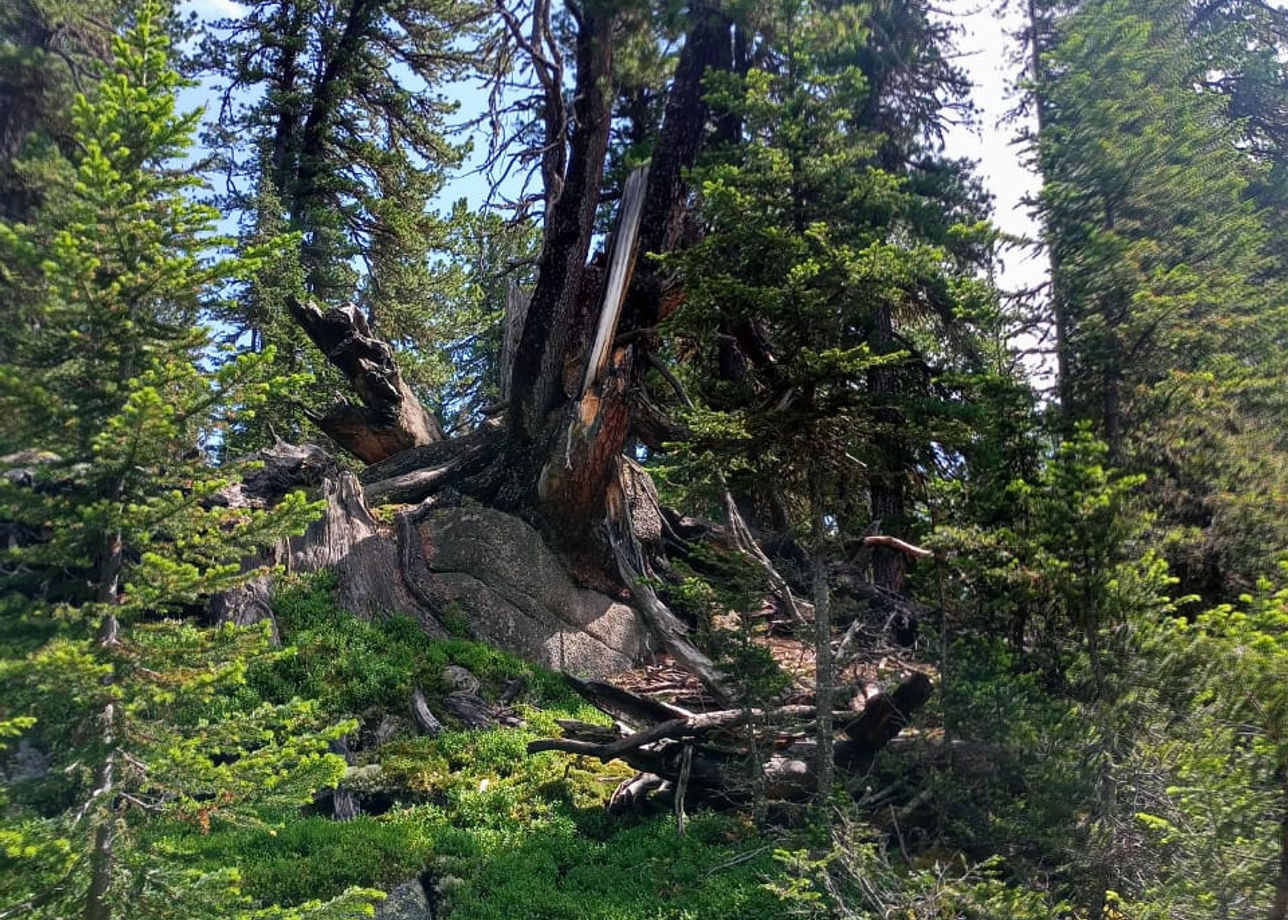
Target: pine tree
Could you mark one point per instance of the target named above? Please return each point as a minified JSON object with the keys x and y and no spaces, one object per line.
{"x":827,"y":303}
{"x":48,"y":50}
{"x":114,"y":401}
{"x":1163,"y":270}
{"x":333,"y":127}
{"x":829,"y":290}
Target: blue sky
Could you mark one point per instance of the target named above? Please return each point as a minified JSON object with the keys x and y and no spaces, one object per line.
{"x":987,"y":55}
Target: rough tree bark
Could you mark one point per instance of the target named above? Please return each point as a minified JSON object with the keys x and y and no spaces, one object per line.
{"x":568,"y":414}
{"x":567,"y":429}
{"x":886,"y":491}
{"x":575,"y":351}
{"x":390,"y":418}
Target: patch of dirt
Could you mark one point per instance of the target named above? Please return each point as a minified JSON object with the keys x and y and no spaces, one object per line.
{"x":879,"y":664}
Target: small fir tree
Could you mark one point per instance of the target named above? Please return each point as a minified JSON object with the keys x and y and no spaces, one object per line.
{"x":114,"y":403}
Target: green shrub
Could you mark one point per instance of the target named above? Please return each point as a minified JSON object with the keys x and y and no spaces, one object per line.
{"x":308,"y":858}
{"x":645,"y":872}
{"x":353,"y":665}
{"x":505,"y":834}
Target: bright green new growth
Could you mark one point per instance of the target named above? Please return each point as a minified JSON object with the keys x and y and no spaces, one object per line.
{"x":117,"y":401}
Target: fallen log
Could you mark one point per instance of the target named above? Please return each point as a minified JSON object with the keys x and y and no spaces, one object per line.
{"x":426,"y":722}
{"x":884,"y":716}
{"x":712,"y":749}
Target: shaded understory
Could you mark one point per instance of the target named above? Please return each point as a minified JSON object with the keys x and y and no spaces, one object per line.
{"x":490,"y":831}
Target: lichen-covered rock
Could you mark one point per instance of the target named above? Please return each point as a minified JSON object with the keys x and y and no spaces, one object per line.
{"x":405,"y":902}
{"x":456,"y":677}
{"x":516,"y":594}
{"x":492,"y":571}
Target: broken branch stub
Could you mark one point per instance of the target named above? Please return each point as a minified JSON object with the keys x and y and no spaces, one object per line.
{"x":390,"y":418}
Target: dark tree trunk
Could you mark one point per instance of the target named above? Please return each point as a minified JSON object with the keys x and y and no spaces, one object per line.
{"x":35,"y":94}
{"x":706,"y":47}
{"x":1059,"y":309}
{"x":886,"y":490}
{"x":1279,"y":910}
{"x":287,"y":118}
{"x":575,"y":351}
{"x":551,"y":324}
{"x":571,"y":412}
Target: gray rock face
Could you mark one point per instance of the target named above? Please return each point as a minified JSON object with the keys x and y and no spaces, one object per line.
{"x":515,"y":593}
{"x":406,"y":902}
{"x":490,"y":568}
{"x":24,"y":761}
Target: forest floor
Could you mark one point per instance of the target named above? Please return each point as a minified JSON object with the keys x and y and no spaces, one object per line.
{"x":492,"y":832}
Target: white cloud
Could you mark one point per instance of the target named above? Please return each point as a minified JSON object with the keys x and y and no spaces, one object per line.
{"x":216,"y":9}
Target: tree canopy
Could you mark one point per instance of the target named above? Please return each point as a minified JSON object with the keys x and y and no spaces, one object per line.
{"x":714,"y":399}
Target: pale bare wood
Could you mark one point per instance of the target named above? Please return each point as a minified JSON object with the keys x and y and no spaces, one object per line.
{"x":621,"y":267}
{"x":900,"y":546}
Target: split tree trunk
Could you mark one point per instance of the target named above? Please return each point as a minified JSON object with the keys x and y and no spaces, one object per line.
{"x":585,"y":334}
{"x":390,"y":418}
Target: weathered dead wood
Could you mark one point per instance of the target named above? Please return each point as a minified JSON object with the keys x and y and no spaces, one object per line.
{"x":624,"y":706}
{"x":536,"y":380}
{"x":279,"y":469}
{"x":734,"y":723}
{"x":438,"y":465}
{"x":621,"y":267}
{"x":577,"y":479}
{"x":431,"y":455}
{"x":345,"y":536}
{"x":698,"y":725}
{"x":390,"y":418}
{"x":664,"y":624}
{"x":470,"y":709}
{"x":513,"y":689}
{"x":899,"y":546}
{"x":516,"y":312}
{"x":712,"y":747}
{"x":578,"y":475}
{"x":630,"y":793}
{"x":413,"y":487}
{"x":425,"y":720}
{"x":748,"y":546}
{"x":576,"y":730}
